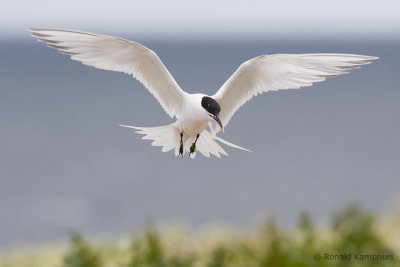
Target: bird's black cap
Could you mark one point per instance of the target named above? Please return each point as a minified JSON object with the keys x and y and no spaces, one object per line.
{"x":210,"y":105}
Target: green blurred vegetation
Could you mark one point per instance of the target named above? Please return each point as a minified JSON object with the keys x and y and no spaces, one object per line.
{"x":352,"y":231}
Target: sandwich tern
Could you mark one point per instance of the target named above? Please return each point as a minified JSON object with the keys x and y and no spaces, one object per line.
{"x":194,"y":112}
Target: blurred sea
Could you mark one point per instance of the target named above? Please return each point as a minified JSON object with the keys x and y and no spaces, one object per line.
{"x":65,"y":164}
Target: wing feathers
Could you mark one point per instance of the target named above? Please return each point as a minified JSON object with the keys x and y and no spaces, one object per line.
{"x":117,"y":54}
{"x":280,"y":71}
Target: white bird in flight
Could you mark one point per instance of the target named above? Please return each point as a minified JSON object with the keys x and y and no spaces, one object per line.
{"x":194,"y":112}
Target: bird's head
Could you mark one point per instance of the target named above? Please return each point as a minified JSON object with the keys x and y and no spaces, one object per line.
{"x":212,"y":108}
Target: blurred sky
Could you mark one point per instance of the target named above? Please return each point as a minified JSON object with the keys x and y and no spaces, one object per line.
{"x":208,"y":18}
{"x":65,"y":164}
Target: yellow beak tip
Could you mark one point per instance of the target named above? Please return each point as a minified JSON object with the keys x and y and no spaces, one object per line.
{"x":222,"y":129}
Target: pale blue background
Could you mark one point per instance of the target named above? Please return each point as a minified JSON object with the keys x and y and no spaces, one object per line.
{"x":65,"y":164}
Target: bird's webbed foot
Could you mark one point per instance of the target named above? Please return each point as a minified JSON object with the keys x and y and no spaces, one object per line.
{"x":181,"y":151}
{"x":193,"y":146}
{"x":181,"y":147}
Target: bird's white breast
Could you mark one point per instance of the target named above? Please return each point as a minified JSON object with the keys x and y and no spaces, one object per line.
{"x":194,"y":118}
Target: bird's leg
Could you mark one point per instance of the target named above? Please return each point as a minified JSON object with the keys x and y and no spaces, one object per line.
{"x":193,"y":147}
{"x":181,"y":146}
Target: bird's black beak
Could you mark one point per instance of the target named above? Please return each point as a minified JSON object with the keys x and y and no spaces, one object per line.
{"x":216,"y":118}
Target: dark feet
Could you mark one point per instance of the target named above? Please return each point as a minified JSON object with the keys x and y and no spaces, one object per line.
{"x":181,"y":147}
{"x":193,"y":146}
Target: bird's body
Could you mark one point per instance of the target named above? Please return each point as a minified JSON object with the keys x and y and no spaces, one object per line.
{"x":194,"y":120}
{"x":194,"y":112}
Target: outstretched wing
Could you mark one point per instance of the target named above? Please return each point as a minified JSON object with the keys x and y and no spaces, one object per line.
{"x":117,"y":54}
{"x":279,"y":71}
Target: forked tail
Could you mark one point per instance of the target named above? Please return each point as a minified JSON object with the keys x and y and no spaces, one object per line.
{"x":168,"y":137}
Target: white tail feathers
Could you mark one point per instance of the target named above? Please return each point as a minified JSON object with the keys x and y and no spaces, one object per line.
{"x":168,"y":137}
